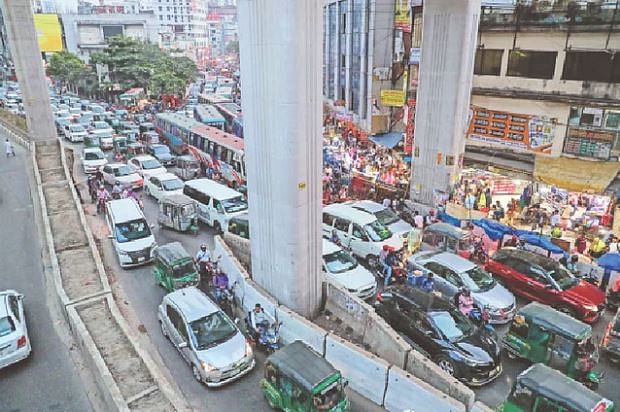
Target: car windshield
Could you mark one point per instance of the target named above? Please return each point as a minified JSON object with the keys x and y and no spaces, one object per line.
{"x":339,"y":262}
{"x":235,"y":204}
{"x":386,"y":217}
{"x":212,"y":330}
{"x":377,"y":231}
{"x":183,"y":269}
{"x":172,"y":184}
{"x":93,"y":156}
{"x":132,"y":230}
{"x":123,"y":170}
{"x":76,"y":128}
{"x":6,"y":326}
{"x":477,"y":280}
{"x":101,"y":125}
{"x":161,"y":150}
{"x":453,"y":325}
{"x":563,"y":277}
{"x":150,"y":164}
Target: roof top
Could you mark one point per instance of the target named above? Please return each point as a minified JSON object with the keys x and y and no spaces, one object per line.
{"x":178,"y":199}
{"x":209,"y":113}
{"x":171,"y":252}
{"x":553,"y":384}
{"x":192,"y":303}
{"x":451,"y":261}
{"x":350,"y":213}
{"x":368,"y":205}
{"x":125,"y":210}
{"x":302,"y":364}
{"x":555,"y":321}
{"x":545,"y":262}
{"x":212,"y":188}
{"x":426,"y":301}
{"x":218,"y":136}
{"x":446,"y":229}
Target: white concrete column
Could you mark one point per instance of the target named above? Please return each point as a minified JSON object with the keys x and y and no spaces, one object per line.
{"x":19,"y":22}
{"x":442,"y":110}
{"x":280,"y":44}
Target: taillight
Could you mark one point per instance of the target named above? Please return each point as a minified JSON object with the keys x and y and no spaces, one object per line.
{"x":21,"y":342}
{"x":379,"y":297}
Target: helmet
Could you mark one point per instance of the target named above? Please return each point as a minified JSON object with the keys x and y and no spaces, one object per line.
{"x":465,"y":291}
{"x":203,"y":246}
{"x":386,"y":247}
{"x":117,"y":183}
{"x":101,"y":187}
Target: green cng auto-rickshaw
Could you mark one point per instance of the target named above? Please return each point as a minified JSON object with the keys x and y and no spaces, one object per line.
{"x":544,"y":335}
{"x":120,"y":144}
{"x":543,"y":389}
{"x":174,"y":267}
{"x":297,"y":379}
{"x":178,"y":212}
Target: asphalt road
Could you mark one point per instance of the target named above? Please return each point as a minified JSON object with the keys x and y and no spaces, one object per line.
{"x":144,"y":296}
{"x":50,"y":379}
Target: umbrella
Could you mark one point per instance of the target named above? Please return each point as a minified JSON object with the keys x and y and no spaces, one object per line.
{"x":610,"y":261}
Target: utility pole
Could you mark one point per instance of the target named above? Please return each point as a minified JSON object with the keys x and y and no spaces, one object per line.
{"x":22,"y":39}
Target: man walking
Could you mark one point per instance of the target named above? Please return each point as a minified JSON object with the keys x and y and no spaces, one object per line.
{"x":8,"y":148}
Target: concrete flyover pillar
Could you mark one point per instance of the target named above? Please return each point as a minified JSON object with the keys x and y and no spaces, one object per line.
{"x":281,"y":49}
{"x":442,"y":110}
{"x":26,"y":55}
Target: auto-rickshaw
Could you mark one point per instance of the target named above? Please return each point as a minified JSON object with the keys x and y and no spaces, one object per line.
{"x":443,"y":236}
{"x":543,"y":389}
{"x":135,"y":149}
{"x":120,"y":144}
{"x":130,"y":135}
{"x":186,"y":167}
{"x":150,"y":138}
{"x":174,"y":267}
{"x":178,"y":212}
{"x":542,"y":334}
{"x":299,"y":379}
{"x":92,"y":141}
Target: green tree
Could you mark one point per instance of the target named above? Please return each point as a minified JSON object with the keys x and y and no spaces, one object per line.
{"x":66,"y":67}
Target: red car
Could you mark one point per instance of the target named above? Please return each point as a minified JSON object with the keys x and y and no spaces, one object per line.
{"x":544,"y":280}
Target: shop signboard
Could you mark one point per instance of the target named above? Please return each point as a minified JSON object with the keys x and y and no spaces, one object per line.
{"x":519,"y":131}
{"x":410,"y":125}
{"x":392,"y":98}
{"x":414,"y":55}
{"x":402,"y":15}
{"x":592,"y":132}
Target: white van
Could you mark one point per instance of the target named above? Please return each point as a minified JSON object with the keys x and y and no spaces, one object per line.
{"x":130,"y":233}
{"x":359,"y":231}
{"x":217,"y":203}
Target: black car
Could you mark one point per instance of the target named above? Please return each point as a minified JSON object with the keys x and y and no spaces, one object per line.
{"x":440,"y":331}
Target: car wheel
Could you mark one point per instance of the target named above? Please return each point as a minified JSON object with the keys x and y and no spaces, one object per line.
{"x":568,"y":311}
{"x":196,"y":373}
{"x":373,"y":261}
{"x":447,"y":365}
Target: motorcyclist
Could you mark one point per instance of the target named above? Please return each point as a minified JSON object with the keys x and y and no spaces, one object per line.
{"x":102,"y":197}
{"x":220,"y":283}
{"x":202,"y":260}
{"x":258,"y":320}
{"x":117,"y":190}
{"x":466,"y":302}
{"x":128,"y":193}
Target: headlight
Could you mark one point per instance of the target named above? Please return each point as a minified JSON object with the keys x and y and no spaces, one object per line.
{"x":207,"y":367}
{"x":123,"y":253}
{"x":248,"y":350}
{"x":590,"y":308}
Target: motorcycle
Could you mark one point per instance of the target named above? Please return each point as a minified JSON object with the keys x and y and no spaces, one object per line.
{"x":101,"y":205}
{"x":268,"y":336}
{"x":224,"y":298}
{"x":478,"y":253}
{"x":399,"y":271}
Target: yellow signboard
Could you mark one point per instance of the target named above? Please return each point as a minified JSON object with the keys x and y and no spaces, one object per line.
{"x":392,"y":98}
{"x":49,"y":32}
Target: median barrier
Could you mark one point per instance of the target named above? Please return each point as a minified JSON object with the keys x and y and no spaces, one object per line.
{"x":481,"y":407}
{"x":367,"y":374}
{"x":424,"y":368}
{"x":350,"y":309}
{"x":385,"y":341}
{"x":229,"y":263}
{"x":406,"y":392}
{"x":295,"y":327}
{"x":253,"y":294}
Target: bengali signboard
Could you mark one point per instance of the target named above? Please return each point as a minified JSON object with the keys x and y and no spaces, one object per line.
{"x":402,"y":15}
{"x":49,"y":32}
{"x":393,"y":98}
{"x":518,"y":131}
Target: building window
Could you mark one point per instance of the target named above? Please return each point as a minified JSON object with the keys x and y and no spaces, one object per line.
{"x":594,"y":66}
{"x":111,"y":31}
{"x":532,"y":64}
{"x":488,"y":62}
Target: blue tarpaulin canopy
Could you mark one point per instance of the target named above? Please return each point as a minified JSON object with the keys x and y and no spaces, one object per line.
{"x":493,"y":229}
{"x":536,"y":239}
{"x":388,"y":140}
{"x":444,"y":217}
{"x":610,"y":261}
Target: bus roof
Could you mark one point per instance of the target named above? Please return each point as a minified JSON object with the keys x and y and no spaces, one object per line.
{"x":218,"y":136}
{"x":213,"y":189}
{"x":208,"y":113}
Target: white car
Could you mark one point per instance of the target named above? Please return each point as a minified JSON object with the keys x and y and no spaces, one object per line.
{"x":341,"y":268}
{"x":75,"y":132}
{"x":14,"y":340}
{"x":125,"y":174}
{"x":102,"y":126}
{"x":162,"y":185}
{"x":93,"y":160}
{"x":384,"y":215}
{"x":147,"y":166}
{"x":106,"y":138}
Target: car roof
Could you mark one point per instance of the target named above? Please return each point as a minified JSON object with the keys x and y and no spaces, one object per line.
{"x":447,"y":229}
{"x":167,"y":176}
{"x":125,"y":210}
{"x":92,"y":149}
{"x":536,"y":258}
{"x":555,"y":321}
{"x":350,"y":213}
{"x":213,"y":189}
{"x":368,"y":205}
{"x":142,"y":158}
{"x":330,"y":247}
{"x":192,"y":303}
{"x":428,"y":302}
{"x":116,"y":165}
{"x":455,"y":262}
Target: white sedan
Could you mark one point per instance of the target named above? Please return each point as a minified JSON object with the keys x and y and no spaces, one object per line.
{"x":162,"y":185}
{"x":14,"y":340}
{"x":342,"y":269}
{"x":125,"y":174}
{"x":147,"y":166}
{"x":93,"y":159}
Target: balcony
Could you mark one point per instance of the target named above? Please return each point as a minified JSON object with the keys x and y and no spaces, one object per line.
{"x":541,"y":15}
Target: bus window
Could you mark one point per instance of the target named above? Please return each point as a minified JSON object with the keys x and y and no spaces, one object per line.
{"x":218,"y":152}
{"x":211,"y":148}
{"x":229,"y":156}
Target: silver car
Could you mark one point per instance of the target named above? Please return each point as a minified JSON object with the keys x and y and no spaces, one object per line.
{"x":452,"y":272}
{"x":207,"y":339}
{"x":14,"y":340}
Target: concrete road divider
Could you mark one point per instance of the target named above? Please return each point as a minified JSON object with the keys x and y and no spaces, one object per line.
{"x":367,"y":374}
{"x":253,"y":294}
{"x":228,"y":262}
{"x":406,"y":392}
{"x":296,"y":327}
{"x":347,"y":307}
{"x":481,"y":407}
{"x":385,"y":341}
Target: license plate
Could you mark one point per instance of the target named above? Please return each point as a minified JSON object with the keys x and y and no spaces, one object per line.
{"x":141,"y":259}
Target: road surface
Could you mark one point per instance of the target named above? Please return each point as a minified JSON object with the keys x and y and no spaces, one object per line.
{"x":49,"y":380}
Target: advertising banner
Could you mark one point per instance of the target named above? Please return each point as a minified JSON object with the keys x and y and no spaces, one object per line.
{"x":402,"y":15}
{"x":520,"y":131}
{"x":49,"y":32}
{"x":392,"y":98}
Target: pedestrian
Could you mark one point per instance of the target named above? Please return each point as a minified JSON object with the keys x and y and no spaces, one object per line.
{"x":418,"y":220}
{"x":554,"y":220}
{"x":9,"y":149}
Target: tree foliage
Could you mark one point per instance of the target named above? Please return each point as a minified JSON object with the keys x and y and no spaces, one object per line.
{"x":66,"y":67}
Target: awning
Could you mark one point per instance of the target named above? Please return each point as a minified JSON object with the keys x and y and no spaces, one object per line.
{"x":388,"y":140}
{"x":575,"y":174}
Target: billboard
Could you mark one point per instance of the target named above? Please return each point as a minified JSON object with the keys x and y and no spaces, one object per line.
{"x":49,"y":32}
{"x":402,"y":15}
{"x":392,"y":97}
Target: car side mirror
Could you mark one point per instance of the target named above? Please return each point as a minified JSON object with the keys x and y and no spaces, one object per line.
{"x":345,"y":383}
{"x":182,"y":345}
{"x":20,"y":297}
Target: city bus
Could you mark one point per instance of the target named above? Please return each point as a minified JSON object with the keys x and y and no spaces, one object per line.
{"x":209,"y":115}
{"x":212,"y":98}
{"x":231,"y":112}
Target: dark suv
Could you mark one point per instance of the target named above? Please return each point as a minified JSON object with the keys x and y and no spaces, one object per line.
{"x":437,"y":328}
